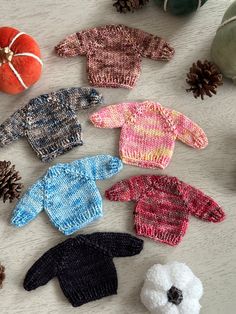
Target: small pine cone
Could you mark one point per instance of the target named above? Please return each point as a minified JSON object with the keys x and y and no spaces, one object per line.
{"x":204,"y":79}
{"x":2,"y":275}
{"x":124,"y":6}
{"x":10,"y":188}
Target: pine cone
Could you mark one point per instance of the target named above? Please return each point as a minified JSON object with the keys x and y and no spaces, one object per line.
{"x":204,"y":79}
{"x":10,"y":189}
{"x":124,"y":6}
{"x":2,"y":275}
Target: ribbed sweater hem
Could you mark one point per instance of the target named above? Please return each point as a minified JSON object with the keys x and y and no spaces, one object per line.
{"x":80,"y":221}
{"x":93,"y":294}
{"x":109,"y":80}
{"x":161,"y":162}
{"x":58,"y":148}
{"x":157,"y":235}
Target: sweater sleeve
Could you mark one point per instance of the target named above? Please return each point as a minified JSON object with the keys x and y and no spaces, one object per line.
{"x":13,"y":128}
{"x":79,"y":98}
{"x":113,"y":116}
{"x":98,"y":167}
{"x":45,"y":268}
{"x":29,"y":206}
{"x":189,"y":132}
{"x":151,"y":46}
{"x":201,"y":205}
{"x":127,"y":190}
{"x":73,"y":45}
{"x":118,"y":244}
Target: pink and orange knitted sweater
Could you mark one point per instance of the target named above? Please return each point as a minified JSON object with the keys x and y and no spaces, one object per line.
{"x":149,"y":132}
{"x":114,"y":53}
{"x":164,"y":205}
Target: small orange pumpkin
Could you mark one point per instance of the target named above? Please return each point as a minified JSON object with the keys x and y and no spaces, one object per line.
{"x":20,"y":61}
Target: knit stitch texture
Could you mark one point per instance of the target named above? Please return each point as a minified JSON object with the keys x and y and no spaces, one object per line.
{"x":49,"y":121}
{"x":84,"y":265}
{"x":114,"y":53}
{"x":68,"y":193}
{"x":164,"y":205}
{"x":149,"y":132}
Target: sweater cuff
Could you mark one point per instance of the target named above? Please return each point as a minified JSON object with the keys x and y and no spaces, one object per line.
{"x":4,"y":140}
{"x":214,"y":214}
{"x":201,"y":142}
{"x":97,"y":120}
{"x":69,"y":47}
{"x":21,"y":218}
{"x":167,"y":52}
{"x":137,"y":246}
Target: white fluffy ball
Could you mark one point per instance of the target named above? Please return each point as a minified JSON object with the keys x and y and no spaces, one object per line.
{"x":171,"y":289}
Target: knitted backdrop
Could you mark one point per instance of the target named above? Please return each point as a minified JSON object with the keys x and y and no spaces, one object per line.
{"x":84,"y":265}
{"x":49,"y":121}
{"x":68,"y":193}
{"x":149,"y":132}
{"x":164,"y":205}
{"x":115,"y":53}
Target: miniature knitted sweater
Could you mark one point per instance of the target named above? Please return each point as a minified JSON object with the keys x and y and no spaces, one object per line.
{"x":164,"y":205}
{"x":84,"y":265}
{"x":49,"y":121}
{"x":114,"y":53}
{"x":149,"y":132}
{"x":68,"y":193}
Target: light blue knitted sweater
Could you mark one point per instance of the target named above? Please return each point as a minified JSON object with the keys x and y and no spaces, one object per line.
{"x":68,"y":193}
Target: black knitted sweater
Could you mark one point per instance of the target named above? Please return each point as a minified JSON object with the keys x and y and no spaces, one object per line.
{"x":84,"y":265}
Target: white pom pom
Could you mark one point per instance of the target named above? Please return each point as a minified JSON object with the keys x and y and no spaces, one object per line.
{"x":171,"y":289}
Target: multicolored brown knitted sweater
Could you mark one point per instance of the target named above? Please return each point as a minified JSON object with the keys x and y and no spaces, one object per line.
{"x":114,"y":53}
{"x":50,"y":122}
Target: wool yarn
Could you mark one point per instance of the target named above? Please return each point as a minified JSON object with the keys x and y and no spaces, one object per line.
{"x":180,"y":7}
{"x":149,"y":132}
{"x":20,"y":61}
{"x":171,"y":289}
{"x":224,"y":44}
{"x":84,"y":265}
{"x":164,"y":205}
{"x":50,"y":122}
{"x":114,"y":53}
{"x":68,"y":194}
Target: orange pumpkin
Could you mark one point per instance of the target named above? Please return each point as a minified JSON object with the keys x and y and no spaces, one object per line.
{"x":20,"y":61}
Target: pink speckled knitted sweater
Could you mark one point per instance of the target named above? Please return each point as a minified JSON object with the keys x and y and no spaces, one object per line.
{"x":163,"y":206}
{"x":114,"y":53}
{"x":149,"y":132}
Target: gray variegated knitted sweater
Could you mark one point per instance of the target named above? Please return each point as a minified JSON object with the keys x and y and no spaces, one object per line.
{"x":50,"y":122}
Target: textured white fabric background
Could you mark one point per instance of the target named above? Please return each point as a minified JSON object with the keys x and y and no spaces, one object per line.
{"x":207,"y":248}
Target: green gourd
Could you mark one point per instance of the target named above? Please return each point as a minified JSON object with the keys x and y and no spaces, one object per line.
{"x":223,"y":50}
{"x":180,"y":7}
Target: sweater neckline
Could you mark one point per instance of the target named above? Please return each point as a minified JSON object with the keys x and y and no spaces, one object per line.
{"x":159,"y":181}
{"x":83,"y":239}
